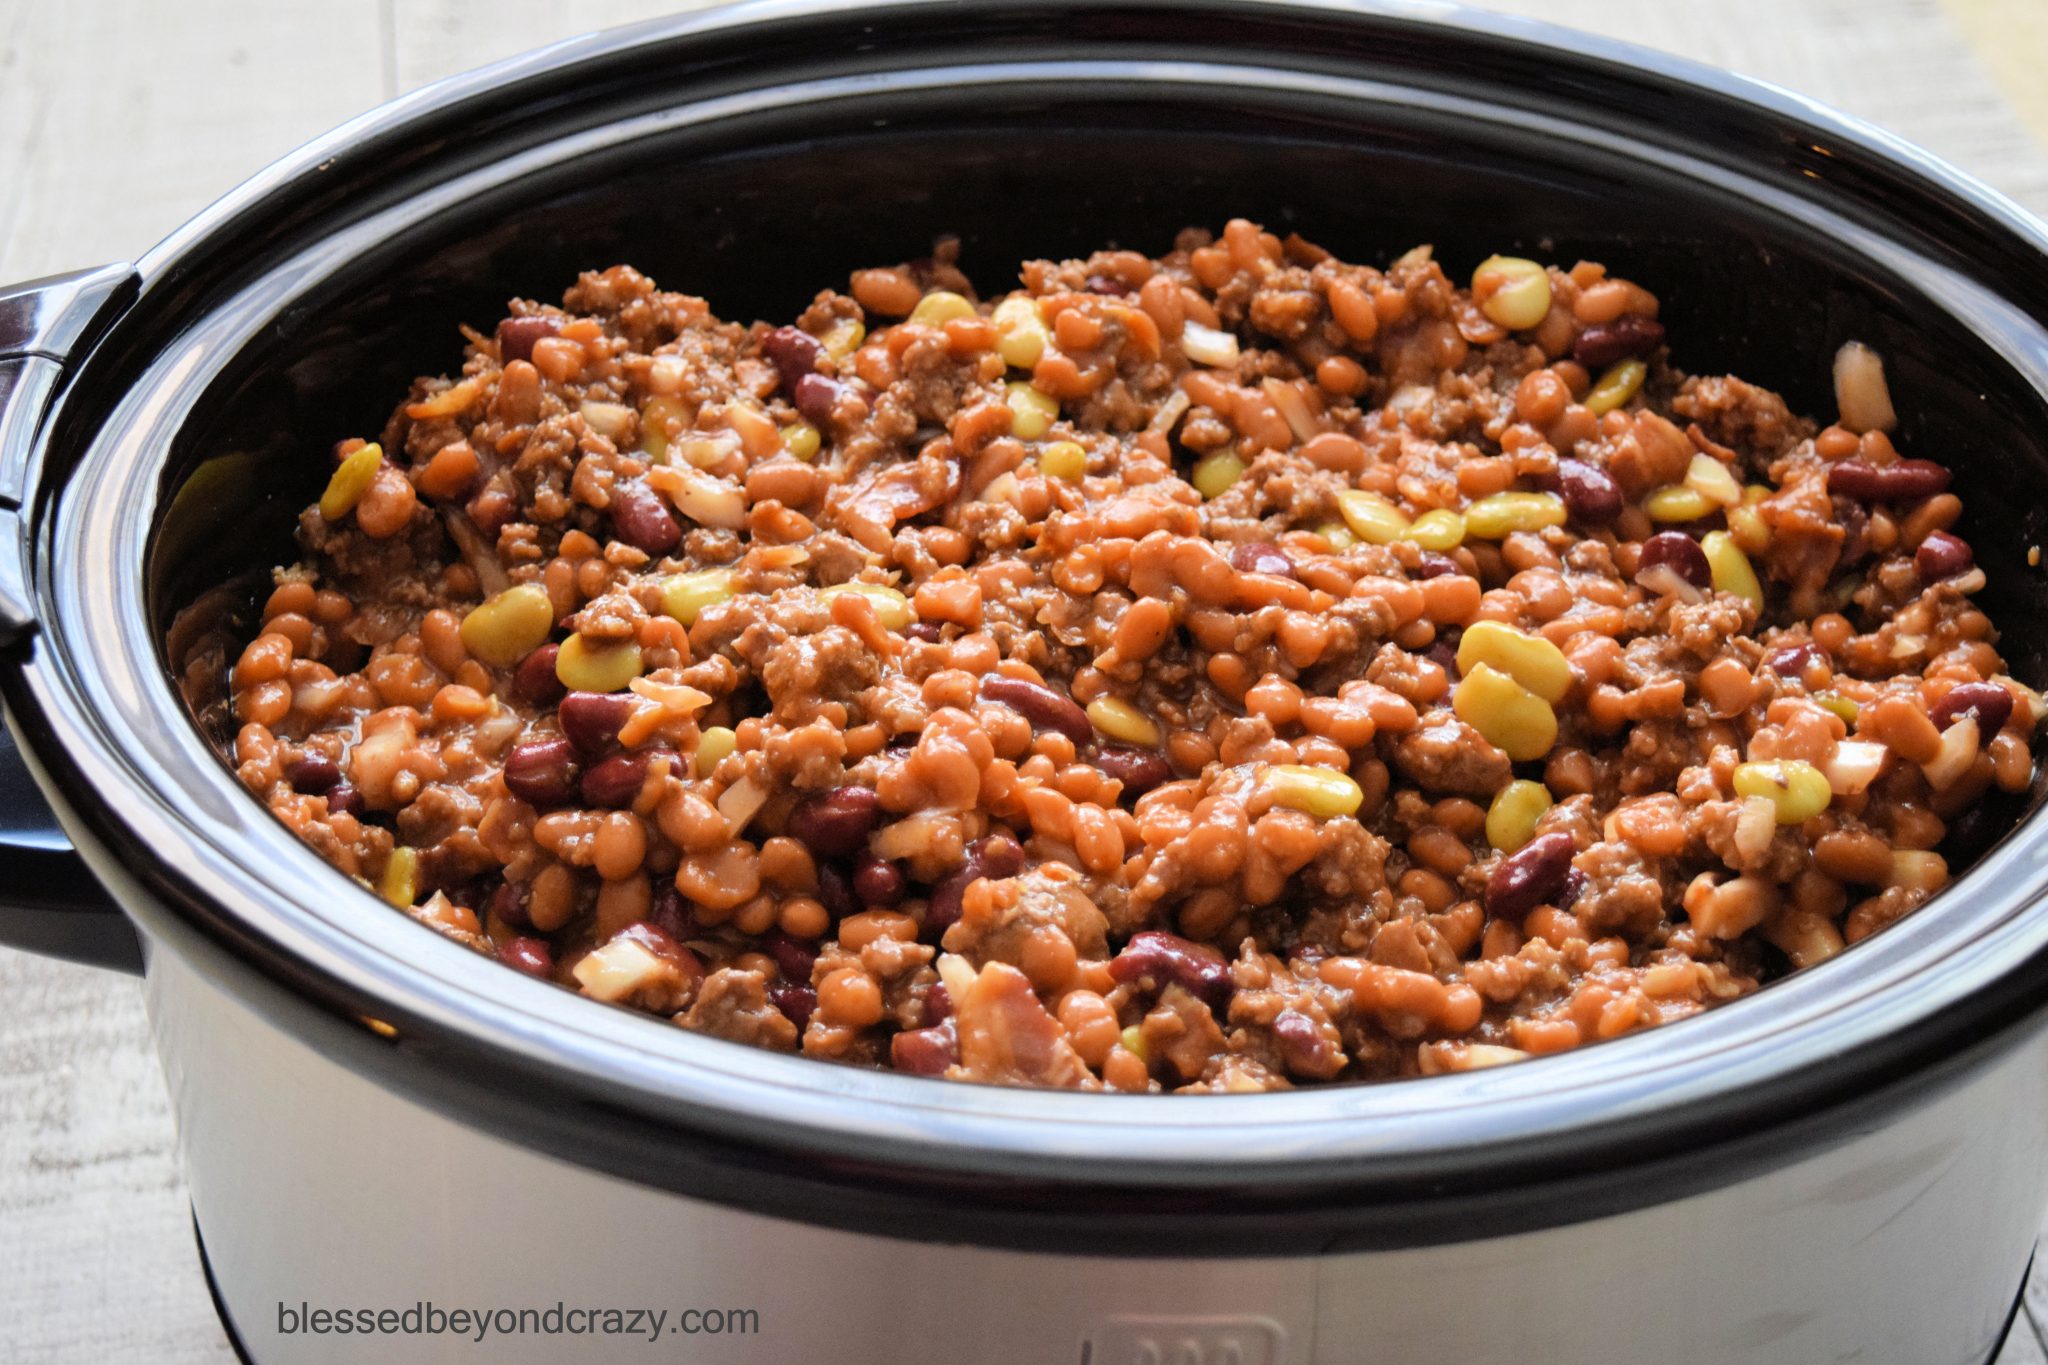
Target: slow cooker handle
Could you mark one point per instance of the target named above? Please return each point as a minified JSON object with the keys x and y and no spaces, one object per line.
{"x":49,"y":902}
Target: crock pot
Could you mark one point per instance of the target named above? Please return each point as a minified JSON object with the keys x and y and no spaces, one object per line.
{"x":1846,"y":1165}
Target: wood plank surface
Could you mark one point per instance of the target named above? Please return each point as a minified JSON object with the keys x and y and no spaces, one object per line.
{"x":120,"y":118}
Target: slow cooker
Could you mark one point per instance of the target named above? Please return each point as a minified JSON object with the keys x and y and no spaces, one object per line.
{"x":378,"y":1125}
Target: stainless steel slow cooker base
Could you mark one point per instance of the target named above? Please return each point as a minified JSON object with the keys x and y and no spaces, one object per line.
{"x":316,"y":1187}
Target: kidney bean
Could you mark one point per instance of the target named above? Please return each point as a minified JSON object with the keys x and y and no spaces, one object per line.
{"x":837,"y":824}
{"x":997,"y":855}
{"x":1043,"y":707}
{"x":793,"y":958}
{"x":814,"y":396}
{"x":1899,"y":481}
{"x":1678,"y":552}
{"x":591,"y":720}
{"x":508,"y":903}
{"x":670,"y":913}
{"x":1574,"y":887}
{"x":925,"y":1051}
{"x":529,"y":955}
{"x":938,"y":1004}
{"x":1527,"y":877}
{"x":877,"y":881}
{"x":1436,"y":565}
{"x":793,"y":352}
{"x":1605,"y":343}
{"x":1260,"y":557}
{"x":797,"y":1003}
{"x":517,"y":335}
{"x":641,"y":519}
{"x":1792,"y":661}
{"x":1988,"y":702}
{"x":931,"y":632}
{"x":542,"y":772}
{"x":1103,"y":284}
{"x":835,"y":892}
{"x":1590,"y":495}
{"x":1302,"y":1045}
{"x":344,"y":798}
{"x":1941,"y":556}
{"x":1140,"y":770}
{"x":534,"y":681}
{"x":312,"y":774}
{"x":1168,"y":957}
{"x":1443,"y":652}
{"x":615,"y":782}
{"x":656,"y":940}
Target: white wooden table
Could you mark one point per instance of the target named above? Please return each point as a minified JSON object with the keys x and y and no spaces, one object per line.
{"x":120,"y":118}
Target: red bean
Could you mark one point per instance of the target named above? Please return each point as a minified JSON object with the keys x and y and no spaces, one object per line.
{"x":1435,"y":565}
{"x":1678,"y":553}
{"x":835,"y":892}
{"x":615,"y":782}
{"x":997,"y":855}
{"x":793,"y":352}
{"x":529,"y":955}
{"x":534,"y":681}
{"x":591,"y":720}
{"x":1258,"y":556}
{"x":670,"y":913}
{"x":1043,"y":707}
{"x":877,"y":881}
{"x":815,"y":396}
{"x":344,"y":798}
{"x":509,"y":902}
{"x":796,"y":1002}
{"x":794,"y":959}
{"x":1162,"y":957}
{"x":657,"y":941}
{"x":837,"y":824}
{"x":938,"y":1004}
{"x":1590,"y":495}
{"x":1899,"y":481}
{"x":1302,"y":1045}
{"x":925,"y":1051}
{"x":1103,"y":284}
{"x":641,"y":519}
{"x":1140,"y":770}
{"x":1988,"y":702}
{"x":492,"y":509}
{"x":1605,"y":343}
{"x":930,"y":632}
{"x":542,"y":772}
{"x":1941,"y":556}
{"x":1792,"y":661}
{"x":516,"y":336}
{"x":312,"y":774}
{"x":1529,"y":876}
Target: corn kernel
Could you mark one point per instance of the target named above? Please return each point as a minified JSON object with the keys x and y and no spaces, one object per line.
{"x":1324,"y":793}
{"x":1841,"y":706}
{"x":1616,"y":387}
{"x":844,"y":338}
{"x":1679,"y":502}
{"x":1731,"y":569}
{"x":351,"y":479}
{"x":586,"y":667}
{"x":1064,"y":460}
{"x":1530,"y":660}
{"x":940,"y":307}
{"x":1123,"y":722}
{"x":801,"y":439}
{"x":1511,"y":819}
{"x":1338,"y":535}
{"x":507,"y":627}
{"x":1752,"y":533}
{"x":1513,"y":291}
{"x":1133,"y":1041}
{"x":1713,"y":480}
{"x":1797,"y":789}
{"x":1439,"y":530}
{"x":655,"y":417}
{"x":1021,"y":334}
{"x":714,"y":743}
{"x":1032,"y":411}
{"x":1499,"y":515}
{"x":1216,"y":471}
{"x":685,"y":595}
{"x":1371,"y":517}
{"x":892,"y":608}
{"x":400,"y":883}
{"x":1510,"y":716}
